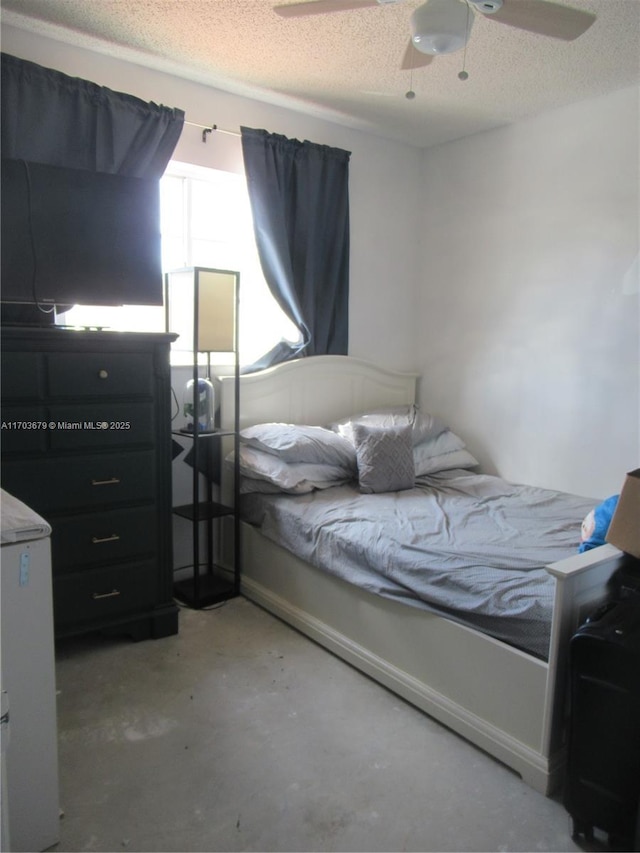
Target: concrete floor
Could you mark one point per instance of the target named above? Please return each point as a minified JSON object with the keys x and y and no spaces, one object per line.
{"x":241,"y":734}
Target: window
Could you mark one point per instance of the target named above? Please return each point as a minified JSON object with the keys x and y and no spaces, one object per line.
{"x":206,"y":221}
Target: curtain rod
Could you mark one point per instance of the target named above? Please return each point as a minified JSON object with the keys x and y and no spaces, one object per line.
{"x":206,"y":129}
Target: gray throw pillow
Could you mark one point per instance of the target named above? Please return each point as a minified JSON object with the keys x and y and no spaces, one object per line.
{"x":385,"y":458}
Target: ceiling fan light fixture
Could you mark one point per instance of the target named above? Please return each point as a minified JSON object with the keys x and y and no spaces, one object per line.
{"x":441,"y":26}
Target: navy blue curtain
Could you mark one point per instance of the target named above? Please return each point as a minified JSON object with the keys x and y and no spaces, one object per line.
{"x":299,"y":193}
{"x":50,"y":117}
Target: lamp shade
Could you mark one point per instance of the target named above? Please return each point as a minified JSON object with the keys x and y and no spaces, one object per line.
{"x":441,"y":26}
{"x":201,"y":306}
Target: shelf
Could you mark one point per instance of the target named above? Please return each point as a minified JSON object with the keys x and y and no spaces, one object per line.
{"x":212,"y":589}
{"x":203,"y":511}
{"x":214,"y":433}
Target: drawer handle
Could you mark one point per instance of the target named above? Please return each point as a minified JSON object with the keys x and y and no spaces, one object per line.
{"x":112,"y":594}
{"x":97,"y":540}
{"x":103,"y":374}
{"x":112,"y":481}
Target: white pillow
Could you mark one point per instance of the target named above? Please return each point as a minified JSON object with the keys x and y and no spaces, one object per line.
{"x":385,"y":458}
{"x":443,"y":443}
{"x":424,"y":426}
{"x":291,"y":477}
{"x":301,"y":443}
{"x":446,"y":451}
{"x":445,"y":462}
{"x":251,"y":485}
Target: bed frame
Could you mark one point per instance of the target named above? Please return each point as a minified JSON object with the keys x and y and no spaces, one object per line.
{"x":505,"y":701}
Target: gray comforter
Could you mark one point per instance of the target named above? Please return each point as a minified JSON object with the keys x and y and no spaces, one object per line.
{"x":472,"y":546}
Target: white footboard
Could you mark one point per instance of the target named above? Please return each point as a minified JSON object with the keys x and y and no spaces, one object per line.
{"x":582,"y":582}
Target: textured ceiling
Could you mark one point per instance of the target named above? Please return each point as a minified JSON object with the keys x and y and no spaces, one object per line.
{"x":346,"y":66}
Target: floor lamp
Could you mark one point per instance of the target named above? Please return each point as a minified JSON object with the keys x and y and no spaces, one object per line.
{"x":202,"y":308}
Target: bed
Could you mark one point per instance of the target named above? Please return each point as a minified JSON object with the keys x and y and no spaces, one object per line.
{"x":506,"y":698}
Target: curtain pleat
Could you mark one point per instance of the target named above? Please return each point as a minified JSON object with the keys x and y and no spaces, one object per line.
{"x":299,"y":193}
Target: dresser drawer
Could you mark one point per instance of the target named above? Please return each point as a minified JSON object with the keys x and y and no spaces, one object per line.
{"x":100,"y":594}
{"x":101,"y":537}
{"x":82,"y":481}
{"x":96,"y":425}
{"x":21,"y":375}
{"x":96,"y":374}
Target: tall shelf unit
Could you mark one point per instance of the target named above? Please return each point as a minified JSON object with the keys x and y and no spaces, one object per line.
{"x":202,"y":308}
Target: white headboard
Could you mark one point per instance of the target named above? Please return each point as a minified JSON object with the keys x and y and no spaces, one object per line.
{"x":315,"y":390}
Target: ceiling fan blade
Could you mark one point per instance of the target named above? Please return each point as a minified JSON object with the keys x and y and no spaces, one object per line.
{"x":414,"y":58}
{"x":544,"y":18}
{"x":321,"y":7}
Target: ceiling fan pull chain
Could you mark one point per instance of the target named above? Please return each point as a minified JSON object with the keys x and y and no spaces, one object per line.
{"x":463,"y":75}
{"x":410,"y":95}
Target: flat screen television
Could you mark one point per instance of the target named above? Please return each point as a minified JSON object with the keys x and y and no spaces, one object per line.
{"x":71,"y":236}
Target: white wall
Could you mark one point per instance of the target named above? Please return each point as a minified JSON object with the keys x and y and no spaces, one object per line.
{"x":529,"y":338}
{"x":384,"y":197}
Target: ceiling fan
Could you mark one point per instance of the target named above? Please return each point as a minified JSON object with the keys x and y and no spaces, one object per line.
{"x":443,"y":26}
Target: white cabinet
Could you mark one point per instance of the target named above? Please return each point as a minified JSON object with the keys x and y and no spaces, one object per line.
{"x":30,"y":800}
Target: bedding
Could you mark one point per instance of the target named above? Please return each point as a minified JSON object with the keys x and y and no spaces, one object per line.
{"x":471,"y":546}
{"x":435,"y":446}
{"x":265,"y":472}
{"x":424,"y":426}
{"x":301,"y":443}
{"x":444,"y":452}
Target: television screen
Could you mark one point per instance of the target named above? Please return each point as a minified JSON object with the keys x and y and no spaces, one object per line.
{"x":70,"y":236}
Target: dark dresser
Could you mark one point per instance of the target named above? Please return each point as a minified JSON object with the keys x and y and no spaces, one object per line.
{"x":86,"y":442}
